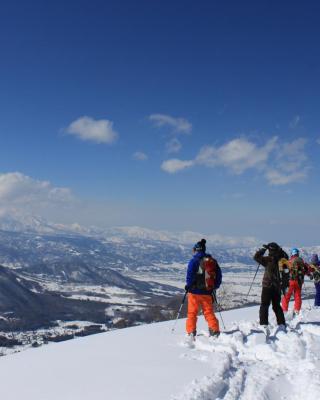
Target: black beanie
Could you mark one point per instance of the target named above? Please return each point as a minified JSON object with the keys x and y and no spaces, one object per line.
{"x":200,"y":246}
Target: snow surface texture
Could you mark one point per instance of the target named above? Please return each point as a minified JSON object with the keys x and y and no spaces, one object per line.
{"x":151,"y":362}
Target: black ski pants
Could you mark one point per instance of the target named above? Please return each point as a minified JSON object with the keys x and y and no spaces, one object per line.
{"x":271,"y":295}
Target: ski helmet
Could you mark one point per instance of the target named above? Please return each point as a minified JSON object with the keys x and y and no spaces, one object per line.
{"x":294,"y":251}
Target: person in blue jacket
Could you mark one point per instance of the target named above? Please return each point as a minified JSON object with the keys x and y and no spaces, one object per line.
{"x":199,"y":296}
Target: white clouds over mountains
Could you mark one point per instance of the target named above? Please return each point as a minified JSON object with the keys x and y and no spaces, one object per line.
{"x":280,"y":163}
{"x":173,"y":146}
{"x":179,"y":125}
{"x":175,"y":165}
{"x":20,"y":191}
{"x":140,"y":156}
{"x":295,"y":122}
{"x":89,"y":129}
{"x":237,"y":155}
{"x":289,"y":164}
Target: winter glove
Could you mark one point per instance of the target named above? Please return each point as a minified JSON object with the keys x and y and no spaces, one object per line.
{"x":187,"y":288}
{"x":262,"y":250}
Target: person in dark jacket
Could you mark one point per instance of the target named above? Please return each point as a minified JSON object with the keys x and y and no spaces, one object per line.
{"x":315,"y":274}
{"x":271,"y":283}
{"x":199,"y":297}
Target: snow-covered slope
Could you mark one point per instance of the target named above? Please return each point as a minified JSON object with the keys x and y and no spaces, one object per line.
{"x":149,"y":362}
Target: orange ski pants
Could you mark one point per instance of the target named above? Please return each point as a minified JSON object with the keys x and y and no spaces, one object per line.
{"x":195,"y":301}
{"x":294,"y":289}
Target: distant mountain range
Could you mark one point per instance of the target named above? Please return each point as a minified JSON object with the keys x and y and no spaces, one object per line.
{"x":60,"y":264}
{"x":17,"y":222}
{"x":96,"y":256}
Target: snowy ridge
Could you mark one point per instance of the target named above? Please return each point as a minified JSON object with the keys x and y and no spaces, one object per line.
{"x":149,"y":362}
{"x":186,"y":237}
{"x":19,"y":222}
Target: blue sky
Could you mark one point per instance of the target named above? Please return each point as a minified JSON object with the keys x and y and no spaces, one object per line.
{"x":172,"y":115}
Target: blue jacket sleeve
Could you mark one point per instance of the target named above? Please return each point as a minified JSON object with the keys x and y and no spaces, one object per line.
{"x":191,"y":271}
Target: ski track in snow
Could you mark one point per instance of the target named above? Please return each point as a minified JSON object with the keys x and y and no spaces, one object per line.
{"x":246,"y":365}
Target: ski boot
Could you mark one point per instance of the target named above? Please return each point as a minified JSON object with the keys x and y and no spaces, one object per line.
{"x":191,"y":338}
{"x":295,"y":313}
{"x":266,"y":330}
{"x":213,"y":334}
{"x":282,"y":328}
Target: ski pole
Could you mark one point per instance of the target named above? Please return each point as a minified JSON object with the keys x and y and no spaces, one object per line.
{"x":219,"y":308}
{"x":182,"y":303}
{"x":252,"y":282}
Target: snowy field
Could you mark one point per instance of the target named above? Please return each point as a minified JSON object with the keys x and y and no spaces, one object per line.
{"x":150,"y":362}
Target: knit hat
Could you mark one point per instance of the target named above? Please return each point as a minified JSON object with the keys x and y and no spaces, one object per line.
{"x":200,"y":246}
{"x":294,"y":251}
{"x":273,"y":246}
{"x":274,"y":249}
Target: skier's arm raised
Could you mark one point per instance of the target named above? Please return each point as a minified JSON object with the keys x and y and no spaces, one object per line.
{"x":260,"y":258}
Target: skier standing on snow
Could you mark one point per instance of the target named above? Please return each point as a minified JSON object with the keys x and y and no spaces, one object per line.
{"x":271,"y":283}
{"x":297,"y":270}
{"x":200,"y":287}
{"x":315,"y":275}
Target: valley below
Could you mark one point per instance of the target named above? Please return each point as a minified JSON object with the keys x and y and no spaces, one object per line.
{"x":58,"y":285}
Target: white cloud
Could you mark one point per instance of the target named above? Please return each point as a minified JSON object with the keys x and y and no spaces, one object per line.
{"x":295,"y":121}
{"x":237,"y":155}
{"x":289,"y":165}
{"x":140,"y":156}
{"x":280,"y":163}
{"x":173,"y":146}
{"x":294,"y":148}
{"x":292,"y":155}
{"x":179,"y":125}
{"x":175,"y":165}
{"x":89,"y":129}
{"x":275,"y":177}
{"x":22,"y":191}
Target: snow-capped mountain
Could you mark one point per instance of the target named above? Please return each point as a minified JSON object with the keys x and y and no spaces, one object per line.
{"x":151,"y":362}
{"x":185,"y":238}
{"x":20,"y":222}
{"x":69,"y":253}
{"x":17,"y":222}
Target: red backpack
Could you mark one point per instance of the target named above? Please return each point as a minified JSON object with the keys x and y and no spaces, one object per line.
{"x":207,"y":273}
